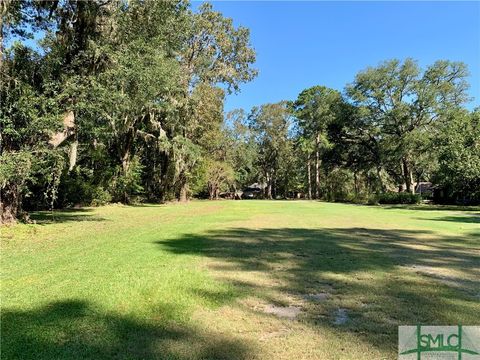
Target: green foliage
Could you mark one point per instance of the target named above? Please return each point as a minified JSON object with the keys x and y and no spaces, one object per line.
{"x":243,"y":149}
{"x":215,"y":52}
{"x":124,"y":102}
{"x":219,"y":176}
{"x":49,"y":170}
{"x":270,"y":125}
{"x":126,"y":186}
{"x":339,"y":185}
{"x":458,"y":148}
{"x":400,"y":106}
{"x":129,"y":96}
{"x":316,"y":109}
{"x":15,"y":168}
{"x":399,"y":198}
{"x":79,"y":187}
{"x":100,"y":196}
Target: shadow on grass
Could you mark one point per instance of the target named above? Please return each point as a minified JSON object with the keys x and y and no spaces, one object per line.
{"x":66,"y":215}
{"x":76,"y":214}
{"x":471,"y":219}
{"x":327,"y":250}
{"x":383,"y":278}
{"x":430,"y":207}
{"x":73,"y":329}
{"x":149,"y":205}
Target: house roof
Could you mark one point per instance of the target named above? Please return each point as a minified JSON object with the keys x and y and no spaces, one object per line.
{"x":260,"y":186}
{"x":424,"y":186}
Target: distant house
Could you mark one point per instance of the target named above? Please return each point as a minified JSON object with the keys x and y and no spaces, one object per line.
{"x":254,"y":191}
{"x":424,"y":188}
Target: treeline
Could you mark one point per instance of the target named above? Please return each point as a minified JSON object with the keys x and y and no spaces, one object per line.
{"x":118,"y":101}
{"x":394,"y":127}
{"x":122,"y":101}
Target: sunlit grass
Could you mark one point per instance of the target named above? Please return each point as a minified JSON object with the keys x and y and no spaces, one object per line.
{"x":192,"y":281}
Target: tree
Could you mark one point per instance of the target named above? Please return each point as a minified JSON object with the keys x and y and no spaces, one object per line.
{"x":123,"y":101}
{"x":243,"y":148}
{"x":458,"y":147}
{"x":27,"y":120}
{"x":219,"y":176}
{"x":315,"y":109}
{"x":270,"y":124}
{"x":141,"y":80}
{"x":214,"y":53}
{"x":356,"y":146}
{"x":401,"y":103}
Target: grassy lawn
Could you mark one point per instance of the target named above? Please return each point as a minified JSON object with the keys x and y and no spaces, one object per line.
{"x":235,"y":280}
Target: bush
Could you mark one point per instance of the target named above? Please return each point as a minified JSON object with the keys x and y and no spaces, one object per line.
{"x":399,"y":198}
{"x":127,"y":186}
{"x":100,"y":197}
{"x":353,"y":198}
{"x":339,"y":186}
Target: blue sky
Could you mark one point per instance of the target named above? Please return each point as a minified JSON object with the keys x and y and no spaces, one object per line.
{"x":301,"y":44}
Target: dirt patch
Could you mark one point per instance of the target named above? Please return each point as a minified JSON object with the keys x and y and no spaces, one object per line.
{"x":287,"y":312}
{"x":441,"y":275}
{"x":318,"y":297}
{"x":341,"y":317}
{"x":282,"y":332}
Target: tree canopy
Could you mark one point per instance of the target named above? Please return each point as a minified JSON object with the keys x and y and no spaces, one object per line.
{"x":120,"y":101}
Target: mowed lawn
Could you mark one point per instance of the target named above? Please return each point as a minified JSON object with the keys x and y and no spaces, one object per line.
{"x":235,"y":280}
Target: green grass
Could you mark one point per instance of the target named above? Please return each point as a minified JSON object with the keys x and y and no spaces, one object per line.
{"x":193,"y":281}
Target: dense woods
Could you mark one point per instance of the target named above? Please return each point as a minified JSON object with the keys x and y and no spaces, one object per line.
{"x":122,"y":101}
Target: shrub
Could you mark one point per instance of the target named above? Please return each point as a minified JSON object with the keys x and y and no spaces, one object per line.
{"x":339,"y":185}
{"x":100,"y":197}
{"x":127,"y":186}
{"x":353,"y":198}
{"x":399,"y":198}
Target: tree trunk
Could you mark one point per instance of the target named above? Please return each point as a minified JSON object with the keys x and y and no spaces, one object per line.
{"x":125,"y":159}
{"x":408,"y":176}
{"x":355,"y":183}
{"x":126,"y":148}
{"x":73,"y":155}
{"x":269,"y":187}
{"x":317,"y":168}
{"x":274,"y":186}
{"x":309,"y":174}
{"x":3,"y":12}
{"x":68,"y":130}
{"x":183,"y":196}
{"x":4,"y":9}
{"x":212,"y":191}
{"x":166,"y":169}
{"x":419,"y":178}
{"x":9,"y":204}
{"x":379,"y":176}
{"x":125,"y":162}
